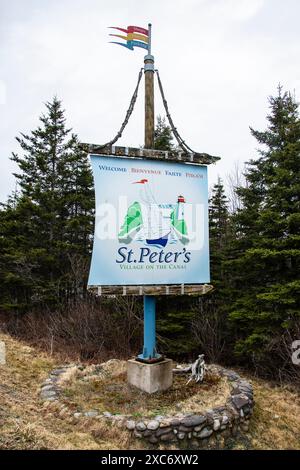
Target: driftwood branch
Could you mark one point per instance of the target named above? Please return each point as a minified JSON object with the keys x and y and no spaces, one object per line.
{"x":197,"y":369}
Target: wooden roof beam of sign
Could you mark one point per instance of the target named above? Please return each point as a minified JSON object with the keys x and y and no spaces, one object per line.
{"x":152,"y":154}
{"x":172,"y":289}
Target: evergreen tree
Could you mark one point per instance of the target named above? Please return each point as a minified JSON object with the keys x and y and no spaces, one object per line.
{"x":218,"y":228}
{"x":210,"y":322}
{"x":266,"y":264}
{"x":163,"y":138}
{"x":49,"y":225}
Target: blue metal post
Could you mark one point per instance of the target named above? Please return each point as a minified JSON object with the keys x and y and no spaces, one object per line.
{"x":149,"y":349}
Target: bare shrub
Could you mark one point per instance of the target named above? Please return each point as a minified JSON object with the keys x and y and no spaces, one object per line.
{"x":277,"y":363}
{"x":234,"y":180}
{"x":208,"y":326}
{"x":86,"y":330}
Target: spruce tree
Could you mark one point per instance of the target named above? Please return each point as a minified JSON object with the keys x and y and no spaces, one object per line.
{"x":218,"y":229}
{"x":163,"y":138}
{"x":50,"y":223}
{"x":210,"y":322}
{"x":266,"y":264}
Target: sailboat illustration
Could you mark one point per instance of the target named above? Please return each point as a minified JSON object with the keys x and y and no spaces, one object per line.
{"x":152,"y":223}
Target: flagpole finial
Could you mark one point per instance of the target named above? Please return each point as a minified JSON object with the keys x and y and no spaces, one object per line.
{"x":149,"y":37}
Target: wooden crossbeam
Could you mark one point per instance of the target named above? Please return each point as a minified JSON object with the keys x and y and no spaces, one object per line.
{"x":152,"y":154}
{"x":171,"y":289}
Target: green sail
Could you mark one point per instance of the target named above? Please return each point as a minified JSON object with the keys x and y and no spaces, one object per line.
{"x":132,"y":224}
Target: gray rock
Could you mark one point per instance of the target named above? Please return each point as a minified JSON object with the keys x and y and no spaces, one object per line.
{"x":242,"y":390}
{"x":140,"y":426}
{"x":246,"y":410}
{"x":91,"y":414}
{"x":175,"y":422}
{"x":216,"y":424}
{"x":48,"y":394}
{"x":198,"y":428}
{"x":193,"y":421}
{"x":107,"y":414}
{"x":77,"y":415}
{"x":117,"y":417}
{"x":245,"y":385}
{"x":225,"y":419}
{"x":231,"y":410}
{"x":153,"y":440}
{"x":147,"y":433}
{"x":183,"y":429}
{"x":248,"y":394}
{"x":168,"y":437}
{"x":239,"y":401}
{"x":53,"y":379}
{"x":206,"y":432}
{"x":46,"y":388}
{"x":231,"y":375}
{"x":161,"y":431}
{"x":153,"y":425}
{"x":219,"y":410}
{"x":245,"y":426}
{"x":138,"y":434}
{"x":130,"y":425}
{"x":58,"y":371}
{"x":235,"y":391}
{"x":210,"y":421}
{"x":181,"y":435}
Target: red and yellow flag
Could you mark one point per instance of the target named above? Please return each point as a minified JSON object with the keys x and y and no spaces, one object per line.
{"x":135,"y":37}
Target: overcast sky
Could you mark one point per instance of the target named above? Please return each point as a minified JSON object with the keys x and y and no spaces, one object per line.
{"x":219,"y":60}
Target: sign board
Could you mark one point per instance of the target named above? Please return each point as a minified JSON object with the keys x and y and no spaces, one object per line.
{"x":151,"y":222}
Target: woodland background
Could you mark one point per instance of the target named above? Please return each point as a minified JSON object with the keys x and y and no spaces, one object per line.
{"x":251,"y":317}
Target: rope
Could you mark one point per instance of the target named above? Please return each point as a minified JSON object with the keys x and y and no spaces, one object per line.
{"x":177,"y":136}
{"x":128,"y":114}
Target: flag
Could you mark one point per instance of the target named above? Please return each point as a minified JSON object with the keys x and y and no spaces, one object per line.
{"x":135,"y":37}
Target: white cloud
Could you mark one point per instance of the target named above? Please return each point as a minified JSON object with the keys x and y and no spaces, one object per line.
{"x":2,"y":92}
{"x":236,"y":10}
{"x":219,"y":60}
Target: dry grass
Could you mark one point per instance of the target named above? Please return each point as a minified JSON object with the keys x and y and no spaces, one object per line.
{"x":276,"y":420}
{"x":26,"y":424}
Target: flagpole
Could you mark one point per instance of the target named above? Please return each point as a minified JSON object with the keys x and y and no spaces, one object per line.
{"x":149,"y":350}
{"x":149,"y":95}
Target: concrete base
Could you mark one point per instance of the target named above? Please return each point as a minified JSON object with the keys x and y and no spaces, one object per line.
{"x":150,"y":378}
